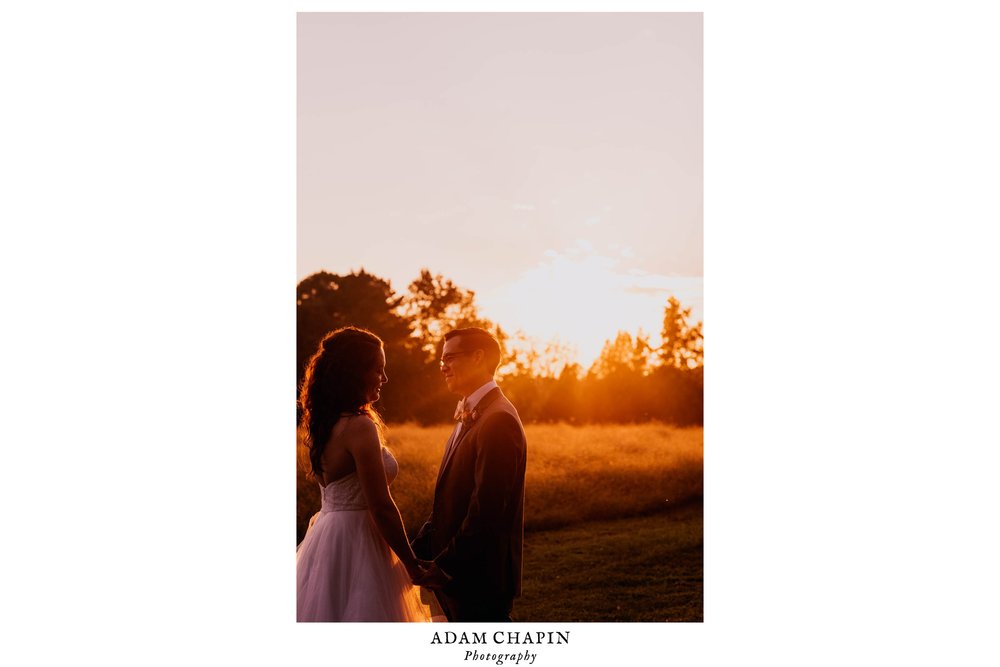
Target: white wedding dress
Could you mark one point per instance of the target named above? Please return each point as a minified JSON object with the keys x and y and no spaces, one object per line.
{"x":345,"y":569}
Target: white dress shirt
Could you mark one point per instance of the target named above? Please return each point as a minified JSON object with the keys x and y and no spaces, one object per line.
{"x":472,"y":400}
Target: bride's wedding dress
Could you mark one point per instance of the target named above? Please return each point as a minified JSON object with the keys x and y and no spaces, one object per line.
{"x":345,"y":569}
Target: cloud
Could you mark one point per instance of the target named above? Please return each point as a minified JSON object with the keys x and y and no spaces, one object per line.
{"x":625,"y":251}
{"x":580,"y":247}
{"x":636,"y":289}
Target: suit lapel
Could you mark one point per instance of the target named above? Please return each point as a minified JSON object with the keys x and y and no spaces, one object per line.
{"x":447,"y":452}
{"x":450,"y":448}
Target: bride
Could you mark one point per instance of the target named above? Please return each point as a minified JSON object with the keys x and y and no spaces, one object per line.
{"x":355,"y":562}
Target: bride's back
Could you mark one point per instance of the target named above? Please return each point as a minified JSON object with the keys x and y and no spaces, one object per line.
{"x":337,"y":459}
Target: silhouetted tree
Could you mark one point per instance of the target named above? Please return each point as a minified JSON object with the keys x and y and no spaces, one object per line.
{"x":611,"y":383}
{"x":624,"y":354}
{"x":528,"y":375}
{"x":677,"y":388}
{"x":682,"y":342}
{"x":436,"y":305}
{"x":433,"y":306}
{"x":565,"y":403}
{"x":629,"y":381}
{"x":677,"y":394}
{"x":327,"y":301}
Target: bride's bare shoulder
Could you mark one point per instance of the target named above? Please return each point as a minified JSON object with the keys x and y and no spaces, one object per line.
{"x":360,"y":430}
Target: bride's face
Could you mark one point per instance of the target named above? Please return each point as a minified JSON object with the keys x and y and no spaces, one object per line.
{"x":376,"y":378}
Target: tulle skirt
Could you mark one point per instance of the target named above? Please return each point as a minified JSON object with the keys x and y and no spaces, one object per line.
{"x":346,"y":572}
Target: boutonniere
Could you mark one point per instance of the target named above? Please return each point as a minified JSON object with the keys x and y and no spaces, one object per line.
{"x":469,"y":417}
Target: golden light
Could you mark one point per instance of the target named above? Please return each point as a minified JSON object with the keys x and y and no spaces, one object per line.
{"x":582,"y":299}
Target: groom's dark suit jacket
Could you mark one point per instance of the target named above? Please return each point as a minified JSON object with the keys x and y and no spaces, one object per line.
{"x":476,"y":527}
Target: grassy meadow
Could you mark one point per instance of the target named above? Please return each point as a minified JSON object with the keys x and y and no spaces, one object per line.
{"x":612,"y":512}
{"x":646,"y":569}
{"x":574,"y":473}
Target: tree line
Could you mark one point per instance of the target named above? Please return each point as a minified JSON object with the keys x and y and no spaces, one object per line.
{"x":631,"y":380}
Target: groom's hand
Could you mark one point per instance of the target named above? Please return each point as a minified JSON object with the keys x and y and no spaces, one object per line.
{"x":416,"y":570}
{"x":433,"y":577}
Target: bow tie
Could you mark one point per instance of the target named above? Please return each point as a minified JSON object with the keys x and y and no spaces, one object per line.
{"x":463,"y":415}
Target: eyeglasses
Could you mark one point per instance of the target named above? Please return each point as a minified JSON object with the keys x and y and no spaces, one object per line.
{"x":450,"y":357}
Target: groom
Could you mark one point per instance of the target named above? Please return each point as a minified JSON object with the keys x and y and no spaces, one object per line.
{"x":474,"y":532}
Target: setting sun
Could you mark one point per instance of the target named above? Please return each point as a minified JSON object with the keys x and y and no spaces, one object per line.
{"x":581,"y":299}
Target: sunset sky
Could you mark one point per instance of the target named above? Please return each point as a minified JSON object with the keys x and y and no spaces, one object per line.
{"x":551,"y":163}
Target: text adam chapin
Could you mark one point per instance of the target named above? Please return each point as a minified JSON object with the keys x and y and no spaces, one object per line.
{"x":501,"y":637}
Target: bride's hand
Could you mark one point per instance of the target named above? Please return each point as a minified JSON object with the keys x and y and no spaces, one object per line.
{"x":433,"y":576}
{"x":417,"y":569}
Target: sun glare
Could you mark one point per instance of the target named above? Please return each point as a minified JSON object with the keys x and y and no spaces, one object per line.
{"x":582,"y":301}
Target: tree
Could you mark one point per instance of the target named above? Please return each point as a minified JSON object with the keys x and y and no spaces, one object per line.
{"x":435,"y":305}
{"x":682,"y":343}
{"x":624,"y":354}
{"x":327,"y":301}
{"x":526,"y":356}
{"x":678,"y":384}
{"x":565,"y":402}
{"x":614,"y":387}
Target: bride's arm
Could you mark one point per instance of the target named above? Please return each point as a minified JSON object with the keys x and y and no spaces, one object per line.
{"x":366,"y":449}
{"x":421,"y":543}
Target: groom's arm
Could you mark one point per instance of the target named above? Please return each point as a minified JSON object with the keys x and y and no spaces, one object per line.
{"x":421,"y":544}
{"x":498,"y":461}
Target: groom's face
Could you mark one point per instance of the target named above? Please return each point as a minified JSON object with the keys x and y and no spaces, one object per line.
{"x":460,"y":367}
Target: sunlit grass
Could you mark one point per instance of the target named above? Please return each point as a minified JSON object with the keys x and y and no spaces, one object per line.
{"x":574,"y":473}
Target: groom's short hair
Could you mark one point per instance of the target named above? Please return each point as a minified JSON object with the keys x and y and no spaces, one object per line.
{"x":475,"y":338}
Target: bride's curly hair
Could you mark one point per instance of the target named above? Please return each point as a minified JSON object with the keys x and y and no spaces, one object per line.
{"x":335,"y":383}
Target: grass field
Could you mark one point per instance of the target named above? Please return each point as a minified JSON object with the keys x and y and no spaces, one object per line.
{"x":613,"y":517}
{"x":642,"y":569}
{"x":574,"y":473}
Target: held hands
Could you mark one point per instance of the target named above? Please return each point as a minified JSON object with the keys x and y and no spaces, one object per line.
{"x":416,"y":569}
{"x":431,"y":576}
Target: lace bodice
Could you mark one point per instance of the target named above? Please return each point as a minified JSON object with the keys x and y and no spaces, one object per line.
{"x":345,"y":493}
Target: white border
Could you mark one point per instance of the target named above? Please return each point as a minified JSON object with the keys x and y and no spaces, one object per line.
{"x":148,"y":261}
